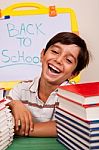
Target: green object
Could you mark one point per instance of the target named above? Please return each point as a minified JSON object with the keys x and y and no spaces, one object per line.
{"x":30,"y":143}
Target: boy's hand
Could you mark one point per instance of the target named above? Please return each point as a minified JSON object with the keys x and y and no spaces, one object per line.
{"x":22,"y":116}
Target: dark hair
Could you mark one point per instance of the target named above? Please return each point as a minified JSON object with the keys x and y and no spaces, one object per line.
{"x":69,"y":38}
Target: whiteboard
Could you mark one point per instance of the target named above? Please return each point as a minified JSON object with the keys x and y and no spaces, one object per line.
{"x":21,"y":40}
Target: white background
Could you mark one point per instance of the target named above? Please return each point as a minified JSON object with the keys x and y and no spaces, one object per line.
{"x":87,"y":16}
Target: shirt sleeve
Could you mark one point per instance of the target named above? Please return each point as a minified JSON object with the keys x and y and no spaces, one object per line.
{"x":15,"y":93}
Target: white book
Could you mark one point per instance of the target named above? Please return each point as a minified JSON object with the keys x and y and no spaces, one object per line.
{"x":81,"y":124}
{"x":2,"y":113}
{"x":4,"y":131}
{"x":71,"y":142}
{"x":5,"y":140}
{"x":3,"y":102}
{"x":3,"y":118}
{"x":5,"y":145}
{"x":82,"y":111}
{"x":2,"y":105}
{"x":75,"y":140}
{"x":91,"y":135}
{"x":2,"y":124}
{"x":4,"y":128}
{"x":73,"y":128}
{"x":1,"y":93}
{"x":7,"y":132}
{"x":8,"y":124}
{"x":90,"y":141}
{"x":2,"y":138}
{"x":61,"y":140}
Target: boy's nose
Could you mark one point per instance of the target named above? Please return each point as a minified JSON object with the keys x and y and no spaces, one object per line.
{"x":59,"y":59}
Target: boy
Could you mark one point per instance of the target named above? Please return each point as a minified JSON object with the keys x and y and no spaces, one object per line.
{"x":33,"y":102}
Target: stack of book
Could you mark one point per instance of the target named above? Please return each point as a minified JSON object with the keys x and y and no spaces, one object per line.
{"x":77,"y":116}
{"x":6,"y":123}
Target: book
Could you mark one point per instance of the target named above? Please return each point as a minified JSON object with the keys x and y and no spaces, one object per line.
{"x":84,"y":93}
{"x":84,"y":112}
{"x":6,"y":124}
{"x":77,"y":116}
{"x":2,"y":104}
{"x":71,"y":143}
{"x":1,"y":93}
{"x":75,"y":133}
{"x":5,"y":145}
{"x":83,"y":127}
{"x":86,"y":141}
{"x":6,"y":132}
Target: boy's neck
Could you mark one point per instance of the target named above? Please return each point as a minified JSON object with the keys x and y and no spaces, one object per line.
{"x":44,"y":90}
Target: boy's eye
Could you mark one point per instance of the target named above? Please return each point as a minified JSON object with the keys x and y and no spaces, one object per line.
{"x":69,"y":61}
{"x":54,"y":51}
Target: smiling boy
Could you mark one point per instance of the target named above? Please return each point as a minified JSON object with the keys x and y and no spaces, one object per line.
{"x":33,"y":102}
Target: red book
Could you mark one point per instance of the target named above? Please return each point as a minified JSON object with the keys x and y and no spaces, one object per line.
{"x":84,"y":93}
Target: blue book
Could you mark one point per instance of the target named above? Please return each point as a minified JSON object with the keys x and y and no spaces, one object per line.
{"x":71,"y":144}
{"x":83,"y":132}
{"x":83,"y":124}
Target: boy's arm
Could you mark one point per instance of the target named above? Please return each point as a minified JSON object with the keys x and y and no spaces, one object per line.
{"x":44,"y":129}
{"x":22,"y":114}
{"x":41,"y":129}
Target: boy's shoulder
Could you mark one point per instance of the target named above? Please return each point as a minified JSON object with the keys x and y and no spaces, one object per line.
{"x":28,"y":84}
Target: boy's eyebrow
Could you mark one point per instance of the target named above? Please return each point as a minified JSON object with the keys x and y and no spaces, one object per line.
{"x":54,"y":45}
{"x":57,"y":46}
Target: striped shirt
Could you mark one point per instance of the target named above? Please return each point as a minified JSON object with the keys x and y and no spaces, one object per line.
{"x":27,"y":92}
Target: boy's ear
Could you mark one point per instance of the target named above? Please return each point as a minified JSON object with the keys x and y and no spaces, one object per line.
{"x":42,"y":54}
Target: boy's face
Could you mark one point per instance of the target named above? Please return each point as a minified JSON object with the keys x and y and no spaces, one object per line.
{"x":59,"y":62}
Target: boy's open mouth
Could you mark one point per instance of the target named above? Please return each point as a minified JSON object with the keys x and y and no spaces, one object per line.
{"x":53,"y":69}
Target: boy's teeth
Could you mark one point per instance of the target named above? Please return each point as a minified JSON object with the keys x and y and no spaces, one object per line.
{"x":54,"y":68}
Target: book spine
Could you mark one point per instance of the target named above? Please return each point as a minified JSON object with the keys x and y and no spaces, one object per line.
{"x":66,"y":143}
{"x":81,"y":137}
{"x":69,"y":141}
{"x":83,"y":105}
{"x":76,"y":144}
{"x":65,"y":98}
{"x":87,"y":121}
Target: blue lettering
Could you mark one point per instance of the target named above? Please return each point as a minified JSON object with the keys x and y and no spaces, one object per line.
{"x":5,"y":56}
{"x":18,"y":58}
{"x":20,"y":40}
{"x":21,"y":56}
{"x":28,"y":59}
{"x":29,"y":28}
{"x":36,"y":59}
{"x":11,"y":30}
{"x":22,"y":29}
{"x":27,"y":42}
{"x":13,"y":59}
{"x":38,"y":28}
